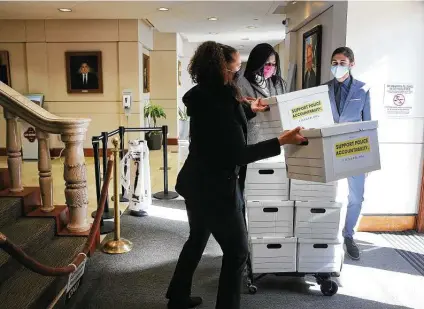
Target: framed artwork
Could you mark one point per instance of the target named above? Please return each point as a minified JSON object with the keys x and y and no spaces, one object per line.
{"x":84,"y":72}
{"x":179,"y":73}
{"x":311,"y":61}
{"x":146,"y":73}
{"x":5,"y":68}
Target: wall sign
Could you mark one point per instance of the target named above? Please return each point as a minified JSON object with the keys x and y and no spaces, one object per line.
{"x":30,"y":135}
{"x":399,"y":100}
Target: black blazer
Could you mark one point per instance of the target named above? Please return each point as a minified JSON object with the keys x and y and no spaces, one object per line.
{"x":218,"y":148}
{"x":92,"y":82}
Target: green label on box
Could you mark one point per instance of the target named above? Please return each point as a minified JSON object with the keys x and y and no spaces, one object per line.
{"x":307,"y":109}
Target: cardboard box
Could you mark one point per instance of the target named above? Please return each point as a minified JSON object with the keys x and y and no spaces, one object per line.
{"x":319,"y":255}
{"x":335,"y":152}
{"x":322,"y":220}
{"x":312,"y":191}
{"x":273,"y":254}
{"x":270,"y":218}
{"x":309,"y":108}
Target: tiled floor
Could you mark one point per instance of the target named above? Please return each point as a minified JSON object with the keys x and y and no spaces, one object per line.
{"x":30,"y":176}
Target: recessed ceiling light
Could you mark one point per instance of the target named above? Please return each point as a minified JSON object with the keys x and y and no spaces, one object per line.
{"x":163,"y":9}
{"x":241,"y":46}
{"x":251,"y":27}
{"x":213,"y":33}
{"x":256,"y":19}
{"x":65,"y":10}
{"x":213,"y":18}
{"x":245,"y":39}
{"x":294,"y":2}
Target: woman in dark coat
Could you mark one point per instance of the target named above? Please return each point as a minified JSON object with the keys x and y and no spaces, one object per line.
{"x":209,"y":178}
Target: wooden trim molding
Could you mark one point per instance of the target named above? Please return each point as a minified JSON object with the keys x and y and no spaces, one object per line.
{"x":420,"y":216}
{"x":387,"y":223}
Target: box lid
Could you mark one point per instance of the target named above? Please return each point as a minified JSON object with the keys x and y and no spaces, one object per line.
{"x":273,"y":240}
{"x":340,"y":128}
{"x":301,"y":93}
{"x":336,"y":241}
{"x":318,"y":204}
{"x":269,"y":203}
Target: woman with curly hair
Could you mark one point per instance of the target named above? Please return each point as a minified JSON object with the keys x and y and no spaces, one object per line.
{"x":209,"y":178}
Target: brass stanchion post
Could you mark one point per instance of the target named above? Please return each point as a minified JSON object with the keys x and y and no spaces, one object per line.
{"x":118,"y":244}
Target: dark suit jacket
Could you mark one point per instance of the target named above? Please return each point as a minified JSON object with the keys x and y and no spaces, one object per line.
{"x":218,"y":128}
{"x":92,"y":82}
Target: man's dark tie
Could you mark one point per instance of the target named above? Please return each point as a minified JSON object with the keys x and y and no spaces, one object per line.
{"x":338,"y":95}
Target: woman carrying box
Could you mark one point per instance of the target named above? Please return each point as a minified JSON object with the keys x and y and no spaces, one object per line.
{"x":208,"y":180}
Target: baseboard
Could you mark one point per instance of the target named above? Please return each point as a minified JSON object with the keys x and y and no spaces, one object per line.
{"x":88,"y":152}
{"x":387,"y":223}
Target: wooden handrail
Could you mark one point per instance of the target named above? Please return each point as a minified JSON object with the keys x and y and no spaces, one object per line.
{"x":72,"y":133}
{"x":19,"y":105}
{"x":15,"y":252}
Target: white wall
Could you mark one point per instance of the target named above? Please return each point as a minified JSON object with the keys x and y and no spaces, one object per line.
{"x":388,"y":47}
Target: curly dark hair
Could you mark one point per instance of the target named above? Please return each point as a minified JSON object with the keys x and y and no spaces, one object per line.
{"x":208,"y":64}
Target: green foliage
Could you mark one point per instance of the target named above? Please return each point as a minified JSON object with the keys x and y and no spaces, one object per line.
{"x":153,"y":113}
{"x":183,"y":114}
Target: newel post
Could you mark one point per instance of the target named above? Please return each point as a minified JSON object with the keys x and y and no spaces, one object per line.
{"x":45,"y":171}
{"x":75,"y":176}
{"x":14,"y":155}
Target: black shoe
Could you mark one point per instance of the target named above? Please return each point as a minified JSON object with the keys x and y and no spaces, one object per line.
{"x":192,"y":302}
{"x":352,"y":249}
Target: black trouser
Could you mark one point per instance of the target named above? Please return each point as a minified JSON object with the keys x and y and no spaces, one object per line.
{"x":229,"y":230}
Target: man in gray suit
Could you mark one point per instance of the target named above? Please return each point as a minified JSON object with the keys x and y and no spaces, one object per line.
{"x":350,"y":102}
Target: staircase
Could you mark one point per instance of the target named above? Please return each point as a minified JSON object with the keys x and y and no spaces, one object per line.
{"x":51,"y":234}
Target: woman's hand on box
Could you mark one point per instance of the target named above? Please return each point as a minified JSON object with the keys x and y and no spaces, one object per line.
{"x":292,"y":137}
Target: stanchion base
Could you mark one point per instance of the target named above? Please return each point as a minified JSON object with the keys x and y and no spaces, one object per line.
{"x":138,"y":213}
{"x":170,"y":195}
{"x":106,"y":215}
{"x":107,"y":227}
{"x":122,"y":199}
{"x":117,"y":246}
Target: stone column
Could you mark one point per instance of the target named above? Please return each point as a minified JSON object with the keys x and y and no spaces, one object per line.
{"x":14,"y":155}
{"x":74,"y":173}
{"x":45,"y":171}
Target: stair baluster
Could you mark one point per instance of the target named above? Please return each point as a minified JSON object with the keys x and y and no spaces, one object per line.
{"x":75,"y":174}
{"x":45,"y":171}
{"x":14,"y":154}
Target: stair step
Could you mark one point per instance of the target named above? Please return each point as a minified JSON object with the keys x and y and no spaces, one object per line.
{"x":31,"y":235}
{"x":10,"y":210}
{"x":29,"y":290}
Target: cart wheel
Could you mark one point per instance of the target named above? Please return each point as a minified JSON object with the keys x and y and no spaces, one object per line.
{"x":329,"y":287}
{"x":252,"y":289}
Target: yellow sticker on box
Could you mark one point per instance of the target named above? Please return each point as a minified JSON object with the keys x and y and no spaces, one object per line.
{"x":307,"y":109}
{"x":352,"y":147}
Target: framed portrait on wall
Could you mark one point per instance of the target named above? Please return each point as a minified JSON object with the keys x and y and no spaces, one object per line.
{"x":179,"y":73}
{"x":146,"y":73}
{"x":84,"y":72}
{"x":311,"y":60}
{"x":5,"y":68}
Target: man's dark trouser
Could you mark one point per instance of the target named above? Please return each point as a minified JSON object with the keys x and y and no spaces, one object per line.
{"x":228,"y":228}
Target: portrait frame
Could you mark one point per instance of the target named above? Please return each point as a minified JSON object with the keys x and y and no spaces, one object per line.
{"x":312,"y":39}
{"x":75,"y":59}
{"x":5,"y":68}
{"x":146,"y":73}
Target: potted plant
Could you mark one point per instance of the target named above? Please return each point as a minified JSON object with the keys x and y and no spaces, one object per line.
{"x":184,"y":124}
{"x":153,"y":113}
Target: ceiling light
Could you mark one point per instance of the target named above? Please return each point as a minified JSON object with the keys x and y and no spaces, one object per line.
{"x":245,"y":39}
{"x":256,"y":19}
{"x":213,"y":33}
{"x":163,"y":9}
{"x":65,"y":10}
{"x":213,"y":18}
{"x":241,"y":46}
{"x":294,"y":2}
{"x":251,"y":27}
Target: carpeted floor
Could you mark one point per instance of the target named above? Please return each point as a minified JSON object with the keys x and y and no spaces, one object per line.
{"x":382,"y":279}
